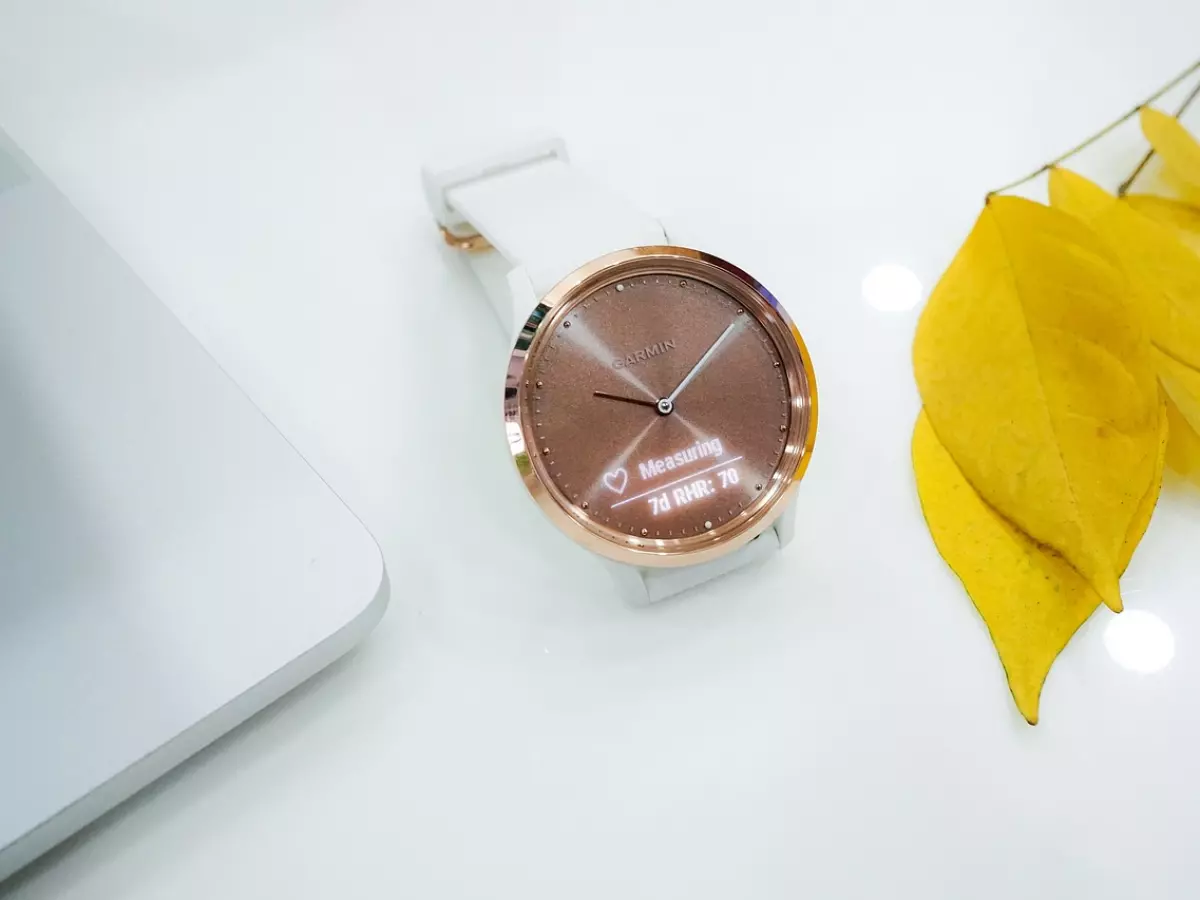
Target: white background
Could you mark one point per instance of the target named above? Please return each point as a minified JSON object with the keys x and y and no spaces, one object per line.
{"x":834,"y":724}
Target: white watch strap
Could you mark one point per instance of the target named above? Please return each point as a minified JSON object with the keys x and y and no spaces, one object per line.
{"x":539,"y":214}
{"x":543,"y":219}
{"x":642,"y":586}
{"x":551,"y":219}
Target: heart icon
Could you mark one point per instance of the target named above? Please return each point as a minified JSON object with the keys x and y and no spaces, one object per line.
{"x":616,"y":481}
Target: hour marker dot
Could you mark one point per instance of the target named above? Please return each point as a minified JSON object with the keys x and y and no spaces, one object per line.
{"x":620,"y":287}
{"x":783,"y":428}
{"x":757,"y":487}
{"x":708,"y":524}
{"x":584,"y":504}
{"x":645,"y":531}
{"x":567,"y":324}
{"x":539,"y":384}
{"x":545,"y":449}
{"x":683,"y":284}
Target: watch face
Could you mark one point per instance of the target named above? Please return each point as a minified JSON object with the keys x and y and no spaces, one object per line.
{"x":660,"y":403}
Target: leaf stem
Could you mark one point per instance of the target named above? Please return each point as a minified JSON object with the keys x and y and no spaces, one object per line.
{"x":1107,"y":129}
{"x":1128,"y":182}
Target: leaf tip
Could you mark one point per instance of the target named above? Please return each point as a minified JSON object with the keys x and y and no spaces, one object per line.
{"x":1111,"y":595}
{"x":1027,"y":697}
{"x":1107,"y":586}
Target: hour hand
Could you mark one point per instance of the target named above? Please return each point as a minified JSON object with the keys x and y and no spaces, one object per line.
{"x":607,"y":396}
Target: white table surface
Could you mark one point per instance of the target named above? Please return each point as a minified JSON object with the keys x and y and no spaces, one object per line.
{"x":835,"y":724}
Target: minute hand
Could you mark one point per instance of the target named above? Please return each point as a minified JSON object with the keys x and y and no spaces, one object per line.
{"x":708,"y":354}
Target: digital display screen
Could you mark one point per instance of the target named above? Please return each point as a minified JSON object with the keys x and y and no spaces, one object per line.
{"x":692,"y":474}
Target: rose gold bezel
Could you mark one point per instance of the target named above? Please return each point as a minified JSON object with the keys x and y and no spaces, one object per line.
{"x":802,"y":387}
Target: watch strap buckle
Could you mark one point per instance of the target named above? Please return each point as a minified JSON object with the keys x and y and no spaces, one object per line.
{"x":473,"y":242}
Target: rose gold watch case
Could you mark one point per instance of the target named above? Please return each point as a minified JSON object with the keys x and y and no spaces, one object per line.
{"x":801,"y":381}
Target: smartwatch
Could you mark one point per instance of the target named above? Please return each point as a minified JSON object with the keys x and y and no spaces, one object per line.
{"x":659,"y":404}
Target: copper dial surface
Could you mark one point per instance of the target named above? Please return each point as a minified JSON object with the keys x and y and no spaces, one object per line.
{"x":658,"y":406}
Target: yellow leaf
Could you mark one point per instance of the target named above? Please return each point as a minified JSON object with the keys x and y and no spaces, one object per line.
{"x":1036,"y":377}
{"x":1183,"y":219}
{"x":1029,"y":597}
{"x":1183,"y":448}
{"x":1165,"y":274}
{"x":1171,"y":141}
{"x":1182,"y":384}
{"x":1145,"y":509}
{"x":1084,"y":199}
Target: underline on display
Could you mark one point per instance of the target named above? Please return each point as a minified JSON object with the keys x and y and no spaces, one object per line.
{"x":675,"y":482}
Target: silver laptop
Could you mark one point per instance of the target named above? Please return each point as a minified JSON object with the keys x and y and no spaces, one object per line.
{"x":168,"y":563}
